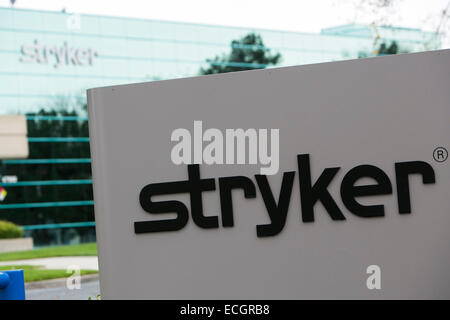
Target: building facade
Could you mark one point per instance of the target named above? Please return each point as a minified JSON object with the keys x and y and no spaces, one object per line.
{"x":49,"y":59}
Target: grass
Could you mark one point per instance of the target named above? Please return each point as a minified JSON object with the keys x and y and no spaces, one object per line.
{"x":86,"y":249}
{"x":37,"y":273}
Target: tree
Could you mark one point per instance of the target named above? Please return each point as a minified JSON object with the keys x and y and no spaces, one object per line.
{"x":389,"y":12}
{"x":39,"y":172}
{"x":247,"y":53}
{"x":383,"y":50}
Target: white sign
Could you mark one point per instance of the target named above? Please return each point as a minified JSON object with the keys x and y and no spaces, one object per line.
{"x":353,"y":203}
{"x":13,"y":137}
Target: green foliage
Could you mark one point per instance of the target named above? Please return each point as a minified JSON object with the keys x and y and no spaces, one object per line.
{"x":86,"y":249}
{"x":32,"y":172}
{"x":383,"y":50}
{"x":37,"y":273}
{"x":9,"y":230}
{"x":247,"y":53}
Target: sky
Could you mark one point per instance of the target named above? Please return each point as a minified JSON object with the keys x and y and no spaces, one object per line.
{"x":288,"y":15}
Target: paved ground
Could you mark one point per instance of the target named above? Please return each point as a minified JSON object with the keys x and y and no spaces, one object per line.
{"x":57,"y":290}
{"x":63,"y":263}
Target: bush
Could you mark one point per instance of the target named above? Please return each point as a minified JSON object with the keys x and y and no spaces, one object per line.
{"x":10,"y":230}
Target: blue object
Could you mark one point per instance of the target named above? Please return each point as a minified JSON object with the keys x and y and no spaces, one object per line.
{"x":12,"y":285}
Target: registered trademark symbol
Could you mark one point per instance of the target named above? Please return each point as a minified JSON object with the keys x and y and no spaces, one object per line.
{"x":440,"y":154}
